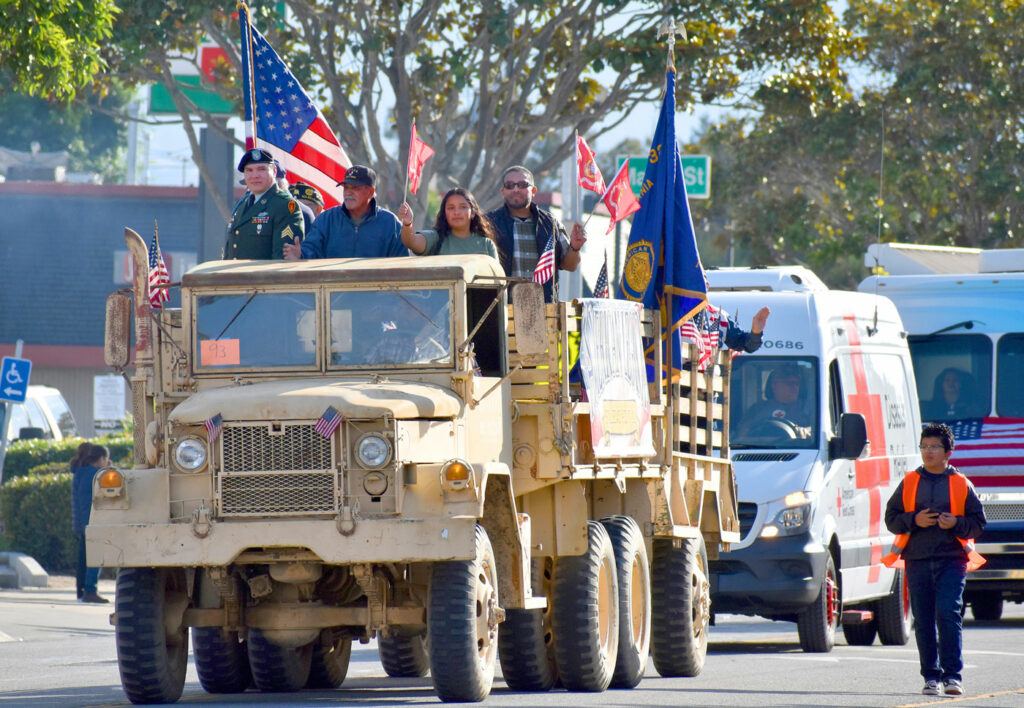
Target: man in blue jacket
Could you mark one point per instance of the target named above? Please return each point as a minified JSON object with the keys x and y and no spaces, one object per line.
{"x":356,"y":229}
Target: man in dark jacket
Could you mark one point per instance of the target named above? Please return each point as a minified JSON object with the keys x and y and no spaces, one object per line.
{"x":524,"y":230}
{"x":935,"y":537}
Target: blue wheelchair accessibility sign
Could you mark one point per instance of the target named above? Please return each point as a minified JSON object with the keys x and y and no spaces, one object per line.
{"x":14,"y":374}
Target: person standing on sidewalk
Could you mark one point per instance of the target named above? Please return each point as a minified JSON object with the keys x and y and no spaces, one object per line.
{"x":936,"y":515}
{"x":88,"y":461}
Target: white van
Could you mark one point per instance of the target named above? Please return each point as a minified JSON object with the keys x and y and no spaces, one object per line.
{"x":44,"y":414}
{"x":967,"y":344}
{"x":824,"y":425}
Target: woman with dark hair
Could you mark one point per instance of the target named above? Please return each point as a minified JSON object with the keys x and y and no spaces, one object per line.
{"x":461,"y":228}
{"x":953,"y":397}
{"x":87,"y":462}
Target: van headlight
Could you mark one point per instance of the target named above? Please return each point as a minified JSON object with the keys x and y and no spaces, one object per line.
{"x":373,"y":451}
{"x":190,"y":454}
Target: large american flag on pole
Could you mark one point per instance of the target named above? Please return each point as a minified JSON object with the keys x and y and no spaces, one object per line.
{"x":990,"y":451}
{"x":280,"y":116}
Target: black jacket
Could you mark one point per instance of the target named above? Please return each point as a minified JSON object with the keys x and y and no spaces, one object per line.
{"x":934,"y":542}
{"x":546,"y":225}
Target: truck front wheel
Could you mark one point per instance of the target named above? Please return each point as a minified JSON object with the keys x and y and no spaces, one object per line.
{"x":276,"y":668}
{"x":152,"y":660}
{"x":634,"y":578}
{"x":462,"y":623}
{"x":681,"y":606}
{"x":402,"y":656}
{"x":816,"y":625}
{"x":222,"y":660}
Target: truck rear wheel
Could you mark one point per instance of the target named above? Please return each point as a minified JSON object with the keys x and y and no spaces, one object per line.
{"x":328,"y":664}
{"x":585,"y":614}
{"x":634,"y":580}
{"x":276,"y":668}
{"x":222,"y":660}
{"x":525,"y":645}
{"x":462,"y":623}
{"x":152,"y":661}
{"x":816,"y":625}
{"x":404,"y":657}
{"x":987,"y":605}
{"x":894,"y":618}
{"x":681,"y":607}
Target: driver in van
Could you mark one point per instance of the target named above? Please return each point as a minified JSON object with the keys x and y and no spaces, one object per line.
{"x":784,"y":402}
{"x":952,"y":397}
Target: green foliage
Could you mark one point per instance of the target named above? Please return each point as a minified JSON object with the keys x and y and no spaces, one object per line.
{"x":24,"y":455}
{"x":37,"y":519}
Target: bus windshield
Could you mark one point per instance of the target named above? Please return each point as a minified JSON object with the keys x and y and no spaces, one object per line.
{"x":954,"y":375}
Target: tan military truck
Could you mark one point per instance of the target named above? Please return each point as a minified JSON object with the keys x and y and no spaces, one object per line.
{"x":337,"y":450}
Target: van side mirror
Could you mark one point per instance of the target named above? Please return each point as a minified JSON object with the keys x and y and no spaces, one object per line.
{"x":529,"y":318}
{"x":852,"y":439}
{"x":31,"y":433}
{"x":118,"y":332}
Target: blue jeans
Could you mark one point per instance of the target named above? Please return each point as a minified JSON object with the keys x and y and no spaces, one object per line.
{"x":85,"y":578}
{"x":936,"y":598}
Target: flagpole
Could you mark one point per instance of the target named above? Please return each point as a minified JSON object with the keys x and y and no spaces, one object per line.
{"x":408,"y":161}
{"x":243,"y":8}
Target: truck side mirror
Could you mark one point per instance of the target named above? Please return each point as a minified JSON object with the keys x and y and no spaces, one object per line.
{"x":118,"y":333}
{"x":852,"y":439}
{"x":530,"y":322}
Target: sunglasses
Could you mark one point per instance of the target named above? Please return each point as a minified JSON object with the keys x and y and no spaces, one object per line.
{"x":517,"y":185}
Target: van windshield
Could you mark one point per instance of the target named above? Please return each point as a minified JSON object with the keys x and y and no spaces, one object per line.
{"x":773,"y":403}
{"x":954,"y":375}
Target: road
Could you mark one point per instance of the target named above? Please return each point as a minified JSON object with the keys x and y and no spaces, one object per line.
{"x":56,"y":652}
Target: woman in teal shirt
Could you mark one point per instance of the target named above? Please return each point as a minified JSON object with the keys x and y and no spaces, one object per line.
{"x":461,"y":228}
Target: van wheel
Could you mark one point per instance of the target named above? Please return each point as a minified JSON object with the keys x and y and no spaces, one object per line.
{"x":525,"y":640}
{"x":152,"y":662}
{"x":276,"y":668}
{"x":634,"y":579}
{"x":462,"y":622}
{"x":222,"y":660}
{"x":681,"y":606}
{"x":861,"y":635}
{"x":328,"y":664}
{"x":585,"y":614}
{"x":894,"y":618}
{"x":816,"y":625}
{"x":402,"y":656}
{"x":987,"y":606}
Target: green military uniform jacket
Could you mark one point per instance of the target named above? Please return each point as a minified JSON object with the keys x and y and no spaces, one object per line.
{"x":260,"y":231}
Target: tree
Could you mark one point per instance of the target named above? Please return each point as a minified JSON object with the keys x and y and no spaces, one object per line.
{"x":486,"y":82}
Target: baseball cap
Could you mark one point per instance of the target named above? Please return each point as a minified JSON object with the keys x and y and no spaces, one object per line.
{"x":359,"y":176}
{"x":301,"y":190}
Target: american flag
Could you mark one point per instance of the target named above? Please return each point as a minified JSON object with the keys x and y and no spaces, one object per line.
{"x":329,"y":422}
{"x":705,"y":331}
{"x":213,"y":427}
{"x":990,"y":451}
{"x":159,"y":279}
{"x":285,"y":118}
{"x":601,"y":286}
{"x":546,"y":264}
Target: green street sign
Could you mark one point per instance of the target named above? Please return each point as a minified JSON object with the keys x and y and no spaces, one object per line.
{"x":696,"y":174}
{"x":160,"y":100}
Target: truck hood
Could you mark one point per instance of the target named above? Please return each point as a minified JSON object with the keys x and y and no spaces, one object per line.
{"x":307,"y":399}
{"x":770,"y":478}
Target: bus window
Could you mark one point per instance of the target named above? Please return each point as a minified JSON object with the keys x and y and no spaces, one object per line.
{"x":1009,"y":379}
{"x":954,"y":375}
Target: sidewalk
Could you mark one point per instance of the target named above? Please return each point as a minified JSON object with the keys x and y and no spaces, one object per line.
{"x":60,"y":589}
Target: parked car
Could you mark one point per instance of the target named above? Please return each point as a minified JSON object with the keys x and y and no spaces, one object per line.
{"x":44,"y":414}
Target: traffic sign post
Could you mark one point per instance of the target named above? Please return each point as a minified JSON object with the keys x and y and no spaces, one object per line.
{"x":696,"y":174}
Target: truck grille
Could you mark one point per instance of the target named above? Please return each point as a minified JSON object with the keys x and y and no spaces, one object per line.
{"x":276,"y":469}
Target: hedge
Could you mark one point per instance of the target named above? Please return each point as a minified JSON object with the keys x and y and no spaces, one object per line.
{"x":23,"y":455}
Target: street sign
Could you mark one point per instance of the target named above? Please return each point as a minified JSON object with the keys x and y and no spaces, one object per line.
{"x":696,"y":174}
{"x":14,"y":375}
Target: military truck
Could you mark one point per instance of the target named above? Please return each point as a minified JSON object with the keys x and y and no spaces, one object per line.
{"x":400,"y":449}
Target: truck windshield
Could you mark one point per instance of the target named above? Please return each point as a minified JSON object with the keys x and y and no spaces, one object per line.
{"x":265,"y":330}
{"x":773,"y":403}
{"x":391,"y":328}
{"x":954,"y":375}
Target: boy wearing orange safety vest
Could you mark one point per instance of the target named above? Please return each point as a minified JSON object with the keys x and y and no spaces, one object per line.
{"x":936,"y":515}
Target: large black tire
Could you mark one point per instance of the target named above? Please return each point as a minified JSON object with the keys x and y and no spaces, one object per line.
{"x":462,"y":623}
{"x":894,"y":619}
{"x":585,"y":614}
{"x":404,"y":657}
{"x":987,"y":606}
{"x":222,"y":660}
{"x":328,"y":664}
{"x":816,"y":625}
{"x":275,"y":668}
{"x":152,"y":662}
{"x":680,"y":607}
{"x":861,"y":635}
{"x":634,"y":580}
{"x":525,"y":640}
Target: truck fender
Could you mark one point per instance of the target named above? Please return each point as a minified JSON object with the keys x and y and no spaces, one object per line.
{"x":509,"y":532}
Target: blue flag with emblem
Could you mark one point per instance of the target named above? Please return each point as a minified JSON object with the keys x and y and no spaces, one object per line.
{"x":663,"y":268}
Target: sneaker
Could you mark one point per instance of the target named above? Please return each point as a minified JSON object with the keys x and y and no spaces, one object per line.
{"x":931,"y":688}
{"x":93,"y":598}
{"x":953,"y":687}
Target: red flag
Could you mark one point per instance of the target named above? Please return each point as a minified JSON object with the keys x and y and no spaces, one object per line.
{"x":419,"y":153}
{"x":619,"y":198}
{"x":589,"y":176}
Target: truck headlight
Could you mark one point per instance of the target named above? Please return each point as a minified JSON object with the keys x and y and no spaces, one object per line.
{"x":373,"y":451}
{"x":190,"y":454}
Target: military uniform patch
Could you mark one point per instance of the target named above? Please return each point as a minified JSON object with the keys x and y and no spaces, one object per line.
{"x":287,"y":233}
{"x":292,"y":206}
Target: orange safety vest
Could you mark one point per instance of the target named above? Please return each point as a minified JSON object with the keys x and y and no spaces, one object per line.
{"x":957,"y":500}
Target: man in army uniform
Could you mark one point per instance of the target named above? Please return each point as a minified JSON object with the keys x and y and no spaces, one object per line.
{"x":267,"y":217}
